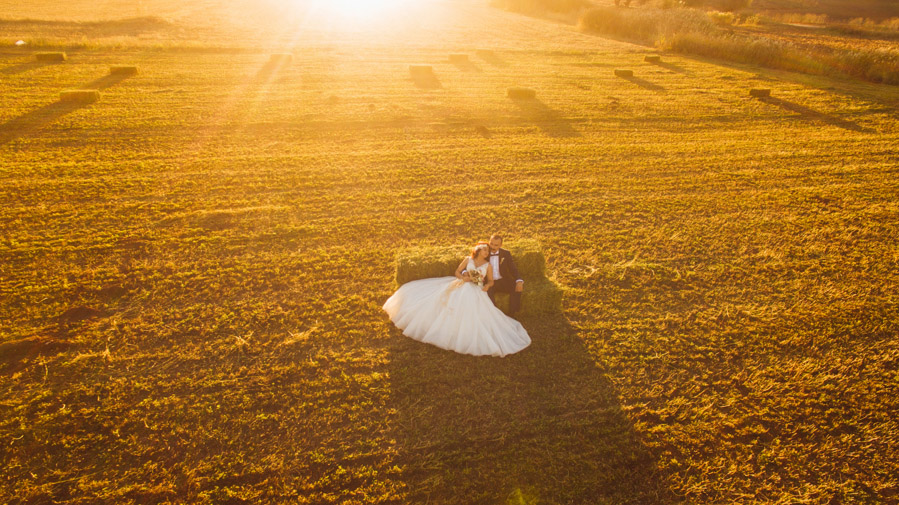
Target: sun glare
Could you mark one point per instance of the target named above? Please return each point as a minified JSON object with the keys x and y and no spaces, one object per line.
{"x":360,"y":10}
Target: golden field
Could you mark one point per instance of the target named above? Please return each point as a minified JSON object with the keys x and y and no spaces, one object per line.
{"x":226,"y":231}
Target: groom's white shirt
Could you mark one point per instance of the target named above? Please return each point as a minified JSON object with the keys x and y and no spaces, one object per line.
{"x":494,"y":262}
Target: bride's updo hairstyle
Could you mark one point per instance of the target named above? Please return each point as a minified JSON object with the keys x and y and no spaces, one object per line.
{"x":477,"y":248}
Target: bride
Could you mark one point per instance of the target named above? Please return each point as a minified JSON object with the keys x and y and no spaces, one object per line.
{"x":455,"y":313}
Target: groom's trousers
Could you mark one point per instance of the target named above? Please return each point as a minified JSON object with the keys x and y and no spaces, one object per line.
{"x":506,"y":285}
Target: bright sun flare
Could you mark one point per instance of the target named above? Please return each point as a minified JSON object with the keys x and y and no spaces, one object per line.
{"x":360,"y":9}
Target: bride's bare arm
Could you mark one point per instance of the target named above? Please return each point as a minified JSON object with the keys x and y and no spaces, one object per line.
{"x":489,"y":283}
{"x":459,"y":270}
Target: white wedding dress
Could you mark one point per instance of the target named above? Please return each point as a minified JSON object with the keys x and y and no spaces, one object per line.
{"x":455,"y":315}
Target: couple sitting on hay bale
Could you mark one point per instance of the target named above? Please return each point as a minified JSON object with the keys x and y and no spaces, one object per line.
{"x":460,"y":312}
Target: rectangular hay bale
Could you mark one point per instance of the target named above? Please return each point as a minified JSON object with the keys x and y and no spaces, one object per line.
{"x":79,"y":95}
{"x":421,"y":70}
{"x":521,"y":93}
{"x":529,"y":259}
{"x":57,"y":56}
{"x":624,"y":73}
{"x":538,"y":297}
{"x":423,"y":262}
{"x":122,"y":70}
{"x":652,"y":59}
{"x":760,"y":93}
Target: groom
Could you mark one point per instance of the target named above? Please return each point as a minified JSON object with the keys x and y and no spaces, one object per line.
{"x":505,"y":275}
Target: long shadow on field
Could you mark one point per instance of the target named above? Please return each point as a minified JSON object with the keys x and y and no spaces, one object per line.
{"x":540,"y":426}
{"x":466,"y":66}
{"x":550,"y":121}
{"x":268,"y":71}
{"x":672,"y":67}
{"x":813,"y":115}
{"x":491,"y":58}
{"x":25,"y":67}
{"x":643,"y":83}
{"x":106,"y":81}
{"x":38,"y":118}
{"x":426,"y":81}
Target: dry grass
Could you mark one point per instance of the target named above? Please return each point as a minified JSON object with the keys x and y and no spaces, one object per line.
{"x":220,"y":246}
{"x":281,"y":58}
{"x":692,"y":32}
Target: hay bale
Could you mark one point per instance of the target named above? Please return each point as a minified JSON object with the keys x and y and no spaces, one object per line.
{"x":458,"y":58}
{"x":760,"y":93}
{"x":624,"y":73}
{"x":652,"y":59}
{"x":421,"y":70}
{"x":50,"y":56}
{"x":421,"y":263}
{"x":528,"y":258}
{"x":281,"y":58}
{"x":521,"y":93}
{"x":79,"y":95}
{"x":540,"y":296}
{"x":122,"y":70}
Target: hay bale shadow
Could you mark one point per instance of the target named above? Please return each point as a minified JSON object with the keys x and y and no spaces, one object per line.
{"x":466,"y":66}
{"x":813,"y":115}
{"x":545,"y":423}
{"x":27,"y":66}
{"x":14,"y":352}
{"x":81,"y":313}
{"x":491,"y":58}
{"x":672,"y":67}
{"x":271,"y":67}
{"x":643,"y":83}
{"x":426,"y":81}
{"x":107,"y":81}
{"x":549,"y":121}
{"x":36,"y":119}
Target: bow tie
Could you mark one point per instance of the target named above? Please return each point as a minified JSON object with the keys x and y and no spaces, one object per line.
{"x":494,"y":254}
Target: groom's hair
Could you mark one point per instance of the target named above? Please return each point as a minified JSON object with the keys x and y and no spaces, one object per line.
{"x":495,"y":236}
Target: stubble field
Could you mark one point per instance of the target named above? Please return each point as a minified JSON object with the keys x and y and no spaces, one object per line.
{"x":729,"y":325}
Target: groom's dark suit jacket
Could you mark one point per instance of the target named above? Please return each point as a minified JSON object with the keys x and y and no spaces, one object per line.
{"x":507,"y":268}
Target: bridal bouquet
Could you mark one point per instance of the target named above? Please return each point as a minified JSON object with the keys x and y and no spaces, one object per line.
{"x":476,"y":277}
